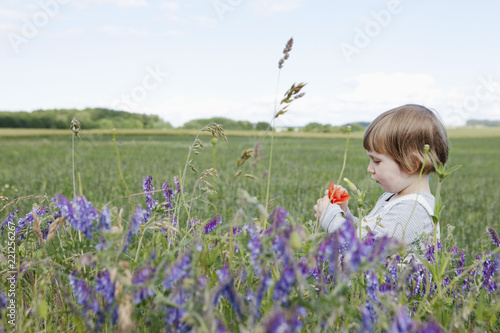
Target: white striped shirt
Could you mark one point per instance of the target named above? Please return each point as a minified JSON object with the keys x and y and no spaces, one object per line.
{"x":405,"y":218}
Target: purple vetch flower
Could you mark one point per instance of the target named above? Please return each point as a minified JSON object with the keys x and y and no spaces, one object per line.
{"x":177,"y":271}
{"x":461,"y":263}
{"x":429,"y":327}
{"x":168,"y":194}
{"x":372,"y":286}
{"x":227,"y":290}
{"x":83,"y":293}
{"x":147,"y":187}
{"x":177,"y":184}
{"x":266,"y":281}
{"x":78,"y":212}
{"x":64,"y":205}
{"x":142,"y":276}
{"x":494,"y":236}
{"x":392,"y":269}
{"x":255,"y":248}
{"x":174,"y":316}
{"x":28,"y":219}
{"x":104,"y":225}
{"x":105,"y":287}
{"x":284,"y":284}
{"x":134,"y":225}
{"x":8,"y":220}
{"x":278,"y":220}
{"x":402,"y":323}
{"x":284,"y":321}
{"x":367,"y":318}
{"x":429,"y":253}
{"x":489,"y":269}
{"x":212,"y":224}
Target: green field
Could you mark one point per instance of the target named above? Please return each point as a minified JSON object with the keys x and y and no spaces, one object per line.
{"x":38,"y":162}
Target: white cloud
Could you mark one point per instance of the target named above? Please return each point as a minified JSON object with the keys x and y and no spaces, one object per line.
{"x":381,"y":87}
{"x":119,"y":3}
{"x":170,"y":5}
{"x":123,"y":31}
{"x":276,"y":6}
{"x":11,"y":14}
{"x":204,"y":22}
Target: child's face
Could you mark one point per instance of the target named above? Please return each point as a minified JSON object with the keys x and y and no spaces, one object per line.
{"x":387,"y":173}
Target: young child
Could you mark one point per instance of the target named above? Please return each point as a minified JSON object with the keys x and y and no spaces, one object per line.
{"x":395,"y":143}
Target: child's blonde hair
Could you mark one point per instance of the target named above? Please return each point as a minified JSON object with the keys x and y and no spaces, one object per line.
{"x":402,"y":133}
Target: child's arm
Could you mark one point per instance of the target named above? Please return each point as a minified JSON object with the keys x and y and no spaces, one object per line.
{"x":331,"y":216}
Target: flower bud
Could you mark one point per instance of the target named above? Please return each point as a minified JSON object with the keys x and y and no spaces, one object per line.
{"x":295,"y":241}
{"x":214,"y":140}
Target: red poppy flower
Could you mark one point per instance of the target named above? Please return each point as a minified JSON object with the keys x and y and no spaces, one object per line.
{"x":337,"y":195}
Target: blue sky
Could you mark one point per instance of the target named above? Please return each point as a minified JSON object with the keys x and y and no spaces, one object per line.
{"x":194,"y":59}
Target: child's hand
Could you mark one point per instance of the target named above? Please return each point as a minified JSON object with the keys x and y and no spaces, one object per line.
{"x":321,"y":205}
{"x":341,"y":195}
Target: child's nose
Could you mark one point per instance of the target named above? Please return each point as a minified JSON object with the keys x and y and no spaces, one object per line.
{"x":370,"y":168}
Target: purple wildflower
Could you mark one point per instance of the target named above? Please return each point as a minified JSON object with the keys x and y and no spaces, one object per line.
{"x":177,"y":184}
{"x":265,"y":282}
{"x":283,"y":321}
{"x":63,"y":204}
{"x":174,"y":318}
{"x":82,"y":215}
{"x":177,"y":272}
{"x":392,"y":269}
{"x":372,"y":286}
{"x":402,"y":323}
{"x":367,"y":317}
{"x":227,"y":290}
{"x":8,"y":220}
{"x":28,"y":219}
{"x":494,"y":236}
{"x":168,"y":194}
{"x":278,"y":220}
{"x":210,"y":226}
{"x":134,"y":226}
{"x":104,"y":225}
{"x":105,"y":287}
{"x":255,"y":250}
{"x":461,"y":263}
{"x":142,"y":276}
{"x":147,"y":187}
{"x":430,"y":327}
{"x":81,"y":290}
{"x":429,"y":253}
{"x":284,"y":284}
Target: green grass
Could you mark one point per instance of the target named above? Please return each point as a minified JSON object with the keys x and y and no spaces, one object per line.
{"x":38,"y":162}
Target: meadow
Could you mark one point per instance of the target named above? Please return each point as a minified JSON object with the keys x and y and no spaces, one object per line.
{"x":178,"y":266}
{"x":38,"y":162}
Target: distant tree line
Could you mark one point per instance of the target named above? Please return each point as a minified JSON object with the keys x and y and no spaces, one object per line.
{"x":89,"y":118}
{"x":489,"y":123}
{"x":100,"y":118}
{"x":229,"y":124}
{"x":320,"y":128}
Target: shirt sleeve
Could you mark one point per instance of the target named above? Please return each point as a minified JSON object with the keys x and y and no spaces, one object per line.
{"x":333,"y":217}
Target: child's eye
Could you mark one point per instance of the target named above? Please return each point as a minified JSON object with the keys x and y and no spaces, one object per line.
{"x":376,"y":162}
